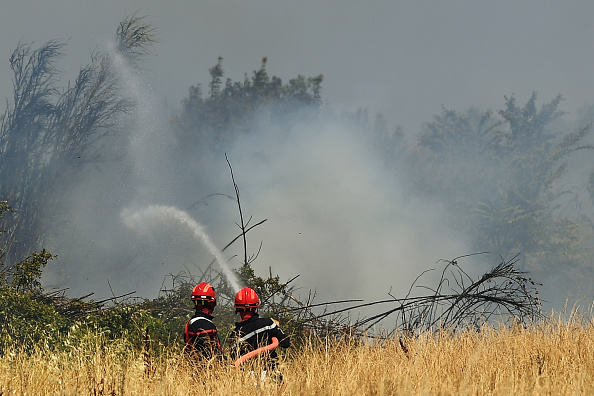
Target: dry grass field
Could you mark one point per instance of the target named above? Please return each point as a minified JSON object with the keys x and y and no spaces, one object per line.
{"x":549,"y":359}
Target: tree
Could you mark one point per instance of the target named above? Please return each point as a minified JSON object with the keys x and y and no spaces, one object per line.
{"x":49,"y":134}
{"x":502,"y":180}
{"x":214,"y":121}
{"x":452,"y":154}
{"x":534,"y":155}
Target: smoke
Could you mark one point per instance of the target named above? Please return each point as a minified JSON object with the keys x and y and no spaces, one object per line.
{"x":337,"y":217}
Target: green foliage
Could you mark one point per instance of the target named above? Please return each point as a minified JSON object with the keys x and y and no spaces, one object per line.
{"x":30,"y":317}
{"x":26,"y":274}
{"x":124,"y":321}
{"x":25,"y":316}
{"x":267,"y":288}
{"x":26,"y":320}
{"x":501,"y":178}
{"x":230,"y":109}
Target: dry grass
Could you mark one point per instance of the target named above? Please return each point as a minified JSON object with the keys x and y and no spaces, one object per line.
{"x":552,"y":359}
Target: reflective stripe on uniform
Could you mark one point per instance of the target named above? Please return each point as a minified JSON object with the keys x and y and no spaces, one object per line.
{"x":188,"y":332}
{"x":198,"y":318}
{"x":253,"y":333}
{"x":211,"y":333}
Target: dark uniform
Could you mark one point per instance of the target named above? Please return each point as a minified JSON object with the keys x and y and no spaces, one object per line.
{"x":201,"y":335}
{"x":257,"y":332}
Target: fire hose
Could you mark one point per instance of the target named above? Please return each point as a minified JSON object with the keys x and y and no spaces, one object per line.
{"x":256,"y":352}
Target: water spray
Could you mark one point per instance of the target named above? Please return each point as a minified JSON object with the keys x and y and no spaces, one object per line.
{"x":137,"y":220}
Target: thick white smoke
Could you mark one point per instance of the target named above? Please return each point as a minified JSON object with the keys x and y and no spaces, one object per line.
{"x":336,"y":216}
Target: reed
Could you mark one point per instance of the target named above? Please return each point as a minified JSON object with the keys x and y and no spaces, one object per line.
{"x":554,"y":358}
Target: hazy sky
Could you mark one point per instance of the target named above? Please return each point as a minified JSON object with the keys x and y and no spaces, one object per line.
{"x":330,"y":217}
{"x":403,"y":58}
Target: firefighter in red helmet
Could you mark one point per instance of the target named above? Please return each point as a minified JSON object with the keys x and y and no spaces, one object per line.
{"x":200,"y":332}
{"x":253,"y":331}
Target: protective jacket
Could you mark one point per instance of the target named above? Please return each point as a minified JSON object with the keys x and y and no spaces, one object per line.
{"x":256,"y":332}
{"x":201,"y":335}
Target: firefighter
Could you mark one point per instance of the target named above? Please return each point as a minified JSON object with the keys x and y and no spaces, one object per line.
{"x":200,"y":332}
{"x":253,"y":331}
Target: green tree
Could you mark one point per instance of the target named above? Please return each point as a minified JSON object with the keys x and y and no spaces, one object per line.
{"x":233,"y":109}
{"x":534,"y":158}
{"x":502,"y":179}
{"x":24,"y":318}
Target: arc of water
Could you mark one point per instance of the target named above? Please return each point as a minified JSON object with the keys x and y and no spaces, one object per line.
{"x":133,"y":219}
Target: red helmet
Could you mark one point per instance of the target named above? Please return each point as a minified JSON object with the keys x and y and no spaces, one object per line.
{"x":246,"y":300}
{"x":204,"y":294}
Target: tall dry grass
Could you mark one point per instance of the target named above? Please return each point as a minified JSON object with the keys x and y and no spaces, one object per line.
{"x":556,"y":358}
